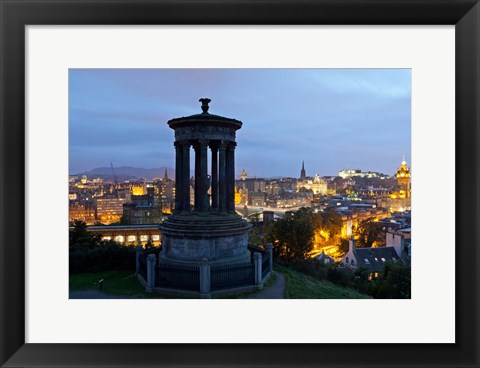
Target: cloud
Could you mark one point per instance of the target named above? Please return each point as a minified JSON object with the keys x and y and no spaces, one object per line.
{"x":328,"y":117}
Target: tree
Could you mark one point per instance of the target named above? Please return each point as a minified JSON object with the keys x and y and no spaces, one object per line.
{"x":149,"y":245}
{"x":369,"y":232}
{"x":124,"y":220}
{"x":332,"y":222}
{"x":89,"y":253}
{"x":293,"y":236}
{"x":79,"y":237}
{"x":361,"y":280}
{"x":327,"y":228}
{"x":254,"y":219}
{"x":395,"y":281}
{"x":343,"y":246}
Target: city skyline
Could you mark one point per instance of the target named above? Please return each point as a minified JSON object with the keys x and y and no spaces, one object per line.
{"x":332,"y":119}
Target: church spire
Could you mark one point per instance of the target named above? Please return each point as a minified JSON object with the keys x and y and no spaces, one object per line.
{"x":165,"y":176}
{"x":302,"y":172}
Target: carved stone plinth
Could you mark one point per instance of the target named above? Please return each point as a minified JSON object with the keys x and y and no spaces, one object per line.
{"x":219,"y":238}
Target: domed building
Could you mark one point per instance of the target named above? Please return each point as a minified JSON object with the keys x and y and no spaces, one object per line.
{"x":318,"y":185}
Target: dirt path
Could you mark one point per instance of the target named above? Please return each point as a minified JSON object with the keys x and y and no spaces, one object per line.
{"x":96,"y":294}
{"x":275,"y":291}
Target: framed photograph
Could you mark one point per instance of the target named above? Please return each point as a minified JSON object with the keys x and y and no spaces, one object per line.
{"x":239,"y":183}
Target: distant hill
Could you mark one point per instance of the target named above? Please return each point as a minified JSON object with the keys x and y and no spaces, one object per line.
{"x":127,"y":173}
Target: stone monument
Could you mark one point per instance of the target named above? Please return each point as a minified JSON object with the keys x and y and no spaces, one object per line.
{"x":210,"y":229}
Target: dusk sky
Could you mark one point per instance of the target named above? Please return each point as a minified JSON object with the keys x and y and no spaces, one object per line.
{"x":331,"y":118}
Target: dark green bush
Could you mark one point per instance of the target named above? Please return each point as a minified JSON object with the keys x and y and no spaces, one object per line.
{"x":340,"y":276}
{"x":103,"y":257}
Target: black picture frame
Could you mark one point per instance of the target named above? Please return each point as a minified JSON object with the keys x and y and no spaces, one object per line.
{"x":16,"y":14}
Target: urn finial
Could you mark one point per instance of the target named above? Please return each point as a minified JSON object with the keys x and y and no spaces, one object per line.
{"x":205,"y":106}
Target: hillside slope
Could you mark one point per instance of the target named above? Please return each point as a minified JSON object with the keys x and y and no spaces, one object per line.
{"x":301,"y":286}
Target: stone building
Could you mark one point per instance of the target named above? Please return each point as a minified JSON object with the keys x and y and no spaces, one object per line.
{"x":82,"y":212}
{"x":257,"y":199}
{"x":372,"y":259}
{"x":109,"y":208}
{"x":317,"y":185}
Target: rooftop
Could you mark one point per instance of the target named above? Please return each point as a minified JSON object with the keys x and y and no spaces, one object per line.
{"x":121,"y":227}
{"x":374,"y":258}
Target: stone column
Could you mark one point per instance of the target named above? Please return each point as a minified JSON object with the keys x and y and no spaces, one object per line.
{"x":257,"y":261}
{"x":201,"y":176}
{"x":138,"y":254}
{"x":178,"y":177}
{"x":196,"y":188}
{"x":231,"y":177}
{"x":151,"y":263}
{"x":222,"y":177}
{"x":205,"y":279}
{"x":185,"y":176}
{"x":269,"y":249}
{"x":214,"y":179}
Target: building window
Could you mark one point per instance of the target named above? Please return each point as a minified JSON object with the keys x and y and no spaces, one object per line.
{"x":144,"y":238}
{"x":131,"y":238}
{"x":107,"y":238}
{"x":120,"y":239}
{"x":155,"y":237}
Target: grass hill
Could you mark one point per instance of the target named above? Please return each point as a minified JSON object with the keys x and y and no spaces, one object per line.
{"x":301,"y":286}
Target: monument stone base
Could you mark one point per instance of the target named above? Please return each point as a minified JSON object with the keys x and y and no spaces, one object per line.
{"x":190,"y":238}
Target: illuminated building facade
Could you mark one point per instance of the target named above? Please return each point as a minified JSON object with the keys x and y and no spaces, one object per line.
{"x":403,"y":180}
{"x":347,"y":174}
{"x":167,"y":194}
{"x":129,"y":234}
{"x":144,"y":199}
{"x":318,"y":185}
{"x":257,"y":199}
{"x":274,"y":188}
{"x":109,"y":208}
{"x":138,"y":190}
{"x":82,"y":212}
{"x":399,"y":200}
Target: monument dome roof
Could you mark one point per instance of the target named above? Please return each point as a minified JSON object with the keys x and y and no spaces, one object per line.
{"x":205,"y":118}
